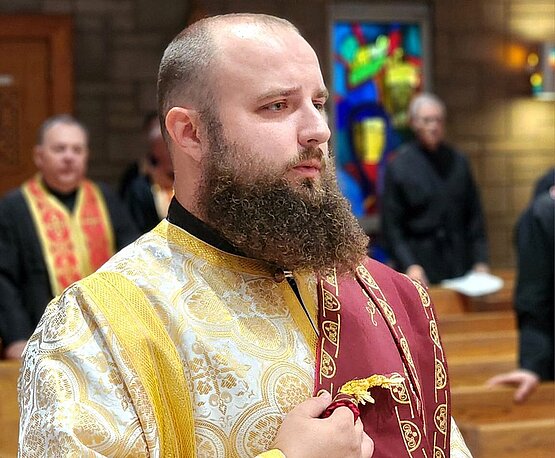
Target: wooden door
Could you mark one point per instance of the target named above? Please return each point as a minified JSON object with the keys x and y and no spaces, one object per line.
{"x":36,"y":81}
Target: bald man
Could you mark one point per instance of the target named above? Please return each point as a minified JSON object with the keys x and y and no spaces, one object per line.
{"x":55,"y":229}
{"x":249,"y":322}
{"x":433,"y":223}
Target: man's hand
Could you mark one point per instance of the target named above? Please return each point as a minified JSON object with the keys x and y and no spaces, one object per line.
{"x":526,"y":382}
{"x":304,"y":435}
{"x":480,"y":267}
{"x":15,"y":349}
{"x":416,"y":272}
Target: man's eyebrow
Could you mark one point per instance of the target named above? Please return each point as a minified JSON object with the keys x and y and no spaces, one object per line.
{"x":276,"y":93}
{"x":288,"y":91}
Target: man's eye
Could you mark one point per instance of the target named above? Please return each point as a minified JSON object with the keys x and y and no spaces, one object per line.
{"x":320,"y":106}
{"x":277,"y":106}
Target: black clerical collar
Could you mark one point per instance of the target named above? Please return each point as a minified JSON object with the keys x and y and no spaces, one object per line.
{"x":441,"y":159}
{"x":67,"y":199}
{"x":180,"y":216}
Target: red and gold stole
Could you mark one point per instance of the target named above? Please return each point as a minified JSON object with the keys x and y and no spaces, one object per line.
{"x":380,"y":322}
{"x":73,"y":245}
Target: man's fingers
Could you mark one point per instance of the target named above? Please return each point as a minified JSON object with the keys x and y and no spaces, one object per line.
{"x":524,"y":380}
{"x":314,"y":407}
{"x":344,"y":415}
{"x":500,"y":380}
{"x":525,"y":389}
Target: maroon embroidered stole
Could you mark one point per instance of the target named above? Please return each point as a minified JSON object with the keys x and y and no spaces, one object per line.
{"x":383,"y":323}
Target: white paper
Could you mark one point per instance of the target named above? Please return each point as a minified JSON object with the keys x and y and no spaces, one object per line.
{"x":474,"y":284}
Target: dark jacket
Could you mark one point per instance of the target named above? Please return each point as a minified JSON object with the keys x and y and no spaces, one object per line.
{"x":24,"y":282}
{"x":534,"y":299}
{"x":432,"y":215}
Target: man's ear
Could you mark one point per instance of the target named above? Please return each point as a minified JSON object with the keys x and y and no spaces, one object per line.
{"x":182,"y":125}
{"x":37,"y":156}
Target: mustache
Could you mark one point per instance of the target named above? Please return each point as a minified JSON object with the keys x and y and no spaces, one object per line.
{"x":308,"y":154}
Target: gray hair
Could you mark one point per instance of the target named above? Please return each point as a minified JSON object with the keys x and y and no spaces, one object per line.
{"x":184,"y":75}
{"x":64,"y":118}
{"x":423,"y":99}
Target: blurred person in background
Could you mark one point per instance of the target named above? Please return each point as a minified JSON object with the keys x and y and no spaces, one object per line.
{"x":432,"y":220}
{"x":55,"y":229}
{"x":534,"y":294}
{"x":149,"y":194}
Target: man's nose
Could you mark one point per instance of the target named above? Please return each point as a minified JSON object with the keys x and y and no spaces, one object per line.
{"x":314,"y":130}
{"x":69,"y":154}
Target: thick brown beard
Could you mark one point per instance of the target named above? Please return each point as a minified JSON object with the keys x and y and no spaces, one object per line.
{"x":304,"y":226}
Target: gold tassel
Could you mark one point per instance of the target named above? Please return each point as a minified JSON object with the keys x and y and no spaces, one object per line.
{"x":359,"y":389}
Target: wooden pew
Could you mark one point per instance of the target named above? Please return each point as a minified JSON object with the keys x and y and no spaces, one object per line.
{"x":481,"y":404}
{"x":476,"y":371}
{"x":477,"y":322}
{"x":9,"y":413}
{"x":447,"y":301}
{"x":518,"y":439}
{"x":480,"y":344}
{"x":494,"y":426}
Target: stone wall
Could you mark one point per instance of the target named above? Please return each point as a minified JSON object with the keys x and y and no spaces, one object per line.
{"x":479,"y":53}
{"x":117,"y":48}
{"x":508,"y":136}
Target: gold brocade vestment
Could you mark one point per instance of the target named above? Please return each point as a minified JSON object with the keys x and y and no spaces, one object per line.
{"x":246,"y":348}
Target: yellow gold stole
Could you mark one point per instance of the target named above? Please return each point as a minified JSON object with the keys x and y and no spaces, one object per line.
{"x":150,"y":352}
{"x":73,"y":245}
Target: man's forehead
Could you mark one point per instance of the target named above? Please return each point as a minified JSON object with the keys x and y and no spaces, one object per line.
{"x":430,"y":106}
{"x":61,"y":131}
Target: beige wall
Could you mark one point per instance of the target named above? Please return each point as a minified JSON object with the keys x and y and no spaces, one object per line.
{"x":509,"y":137}
{"x":479,"y":71}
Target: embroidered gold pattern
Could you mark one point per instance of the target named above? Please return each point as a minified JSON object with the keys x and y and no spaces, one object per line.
{"x":434,"y":333}
{"x":390,"y":315}
{"x":440,"y":418}
{"x":331,"y":331}
{"x":411,"y":435}
{"x":331,"y":303}
{"x":424,"y":297}
{"x":371,"y":309}
{"x":441,"y":375}
{"x":457,"y":444}
{"x":331,"y":278}
{"x":406,"y":350}
{"x":438,"y":453}
{"x":327,"y":365}
{"x":214,"y":312}
{"x":256,"y":384}
{"x":366,"y":277}
{"x":400,"y":393}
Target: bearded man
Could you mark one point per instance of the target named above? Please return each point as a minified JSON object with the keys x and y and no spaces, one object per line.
{"x":249,"y":322}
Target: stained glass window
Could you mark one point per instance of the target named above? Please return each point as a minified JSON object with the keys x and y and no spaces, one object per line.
{"x":377,"y":67}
